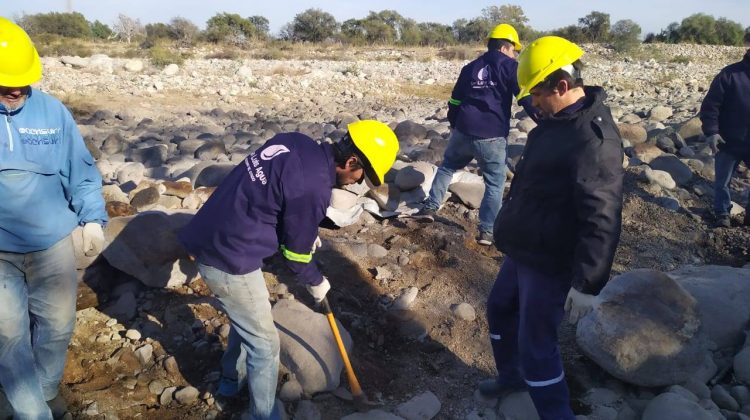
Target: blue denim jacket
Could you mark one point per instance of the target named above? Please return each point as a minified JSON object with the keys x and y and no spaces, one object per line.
{"x":48,"y":181}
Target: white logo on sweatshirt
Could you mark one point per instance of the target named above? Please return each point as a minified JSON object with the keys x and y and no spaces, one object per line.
{"x":272,"y":151}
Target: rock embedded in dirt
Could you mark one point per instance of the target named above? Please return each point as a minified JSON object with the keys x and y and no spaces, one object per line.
{"x":376,"y":251}
{"x":372,"y":415}
{"x":166,"y":396}
{"x":469,"y":193}
{"x":723,"y":399}
{"x":422,"y":407}
{"x":646,"y":331}
{"x":518,"y":406}
{"x":307,"y":349}
{"x":157,"y":386}
{"x":671,"y":164}
{"x":134,"y":335}
{"x":414,"y":175}
{"x":406,"y":299}
{"x":291,"y":391}
{"x":670,"y":406}
{"x":187,"y":395}
{"x":144,"y":354}
{"x":464,"y":311}
{"x":722,"y":294}
{"x":307,"y":410}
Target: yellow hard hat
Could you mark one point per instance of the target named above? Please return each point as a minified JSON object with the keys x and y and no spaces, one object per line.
{"x":541,"y":58}
{"x":378,"y":145}
{"x":19,"y":61}
{"x":507,"y":32}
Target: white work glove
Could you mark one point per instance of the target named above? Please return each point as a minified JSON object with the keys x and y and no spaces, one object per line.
{"x":319,"y":292}
{"x":578,"y":304}
{"x":714,"y":141}
{"x":317,"y":244}
{"x":93,"y":239}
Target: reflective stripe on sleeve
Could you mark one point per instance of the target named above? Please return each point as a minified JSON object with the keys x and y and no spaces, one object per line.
{"x":293,"y":256}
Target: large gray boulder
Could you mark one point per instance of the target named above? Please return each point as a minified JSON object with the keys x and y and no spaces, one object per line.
{"x":308,"y":348}
{"x":470,"y":193}
{"x":146,"y":247}
{"x":679,"y":170}
{"x":723,"y":294}
{"x":671,"y":406}
{"x":646,"y":331}
{"x":415,"y":175}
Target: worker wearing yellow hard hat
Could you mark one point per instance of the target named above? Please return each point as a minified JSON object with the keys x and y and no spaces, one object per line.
{"x":558,"y":229}
{"x":50,"y":186}
{"x":506,"y":32}
{"x":274,"y":201}
{"x":479,"y":112}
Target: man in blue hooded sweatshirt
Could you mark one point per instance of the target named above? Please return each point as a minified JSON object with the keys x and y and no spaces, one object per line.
{"x":479,"y":115}
{"x":273,"y":201}
{"x":48,"y":186}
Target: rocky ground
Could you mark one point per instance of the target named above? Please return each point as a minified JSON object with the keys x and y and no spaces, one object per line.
{"x":411,"y":296}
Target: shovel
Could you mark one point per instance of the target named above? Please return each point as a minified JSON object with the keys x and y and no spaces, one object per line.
{"x":359,"y":398}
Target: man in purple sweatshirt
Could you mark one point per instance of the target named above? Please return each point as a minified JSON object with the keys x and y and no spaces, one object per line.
{"x":273,"y":201}
{"x":479,"y":115}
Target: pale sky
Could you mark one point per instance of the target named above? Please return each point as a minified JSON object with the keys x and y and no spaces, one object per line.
{"x":652,"y":15}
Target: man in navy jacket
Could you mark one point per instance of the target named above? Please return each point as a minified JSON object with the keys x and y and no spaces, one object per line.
{"x":479,"y":114}
{"x":725,"y":113}
{"x":274,"y":200}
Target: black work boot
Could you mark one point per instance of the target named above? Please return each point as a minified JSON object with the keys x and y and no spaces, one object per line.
{"x":426,"y":215}
{"x":491,"y":388}
{"x":723,"y":220}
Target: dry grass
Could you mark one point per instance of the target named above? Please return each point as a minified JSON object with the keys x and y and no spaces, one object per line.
{"x":78,"y":105}
{"x":438,"y":92}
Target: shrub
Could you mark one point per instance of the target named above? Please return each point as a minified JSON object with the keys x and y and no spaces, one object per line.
{"x":72,"y":25}
{"x":162,"y":56}
{"x":457,"y":53}
{"x":49,"y":45}
{"x":226,"y":53}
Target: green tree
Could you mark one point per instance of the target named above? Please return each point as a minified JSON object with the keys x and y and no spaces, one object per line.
{"x":158,"y":31}
{"x":261,"y":25}
{"x":595,"y":26}
{"x":353,"y":32}
{"x":573,"y":33}
{"x":729,"y":32}
{"x":436,"y":34}
{"x":699,"y":28}
{"x":101,"y":31}
{"x":471,"y":31}
{"x":511,"y":14}
{"x":411,"y":32}
{"x":229,"y":27}
{"x":314,"y":25}
{"x":183,"y":30}
{"x":377,"y":30}
{"x":624,"y":35}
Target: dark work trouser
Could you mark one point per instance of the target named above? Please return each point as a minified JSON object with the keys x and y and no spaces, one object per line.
{"x":524,"y":311}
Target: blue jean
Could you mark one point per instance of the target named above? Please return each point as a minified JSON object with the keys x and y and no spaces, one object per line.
{"x":490,"y":156}
{"x":524,"y":311}
{"x":724,"y":167}
{"x":38,"y":292}
{"x":253,"y":338}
